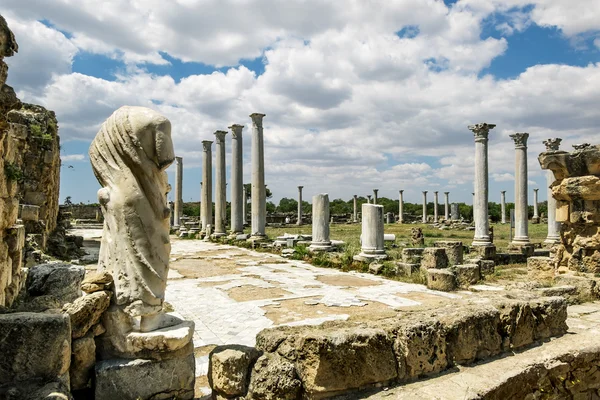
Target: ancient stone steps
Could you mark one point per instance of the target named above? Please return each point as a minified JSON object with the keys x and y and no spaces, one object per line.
{"x":565,"y":367}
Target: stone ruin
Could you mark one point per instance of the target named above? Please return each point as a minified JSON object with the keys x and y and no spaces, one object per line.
{"x":577,"y":192}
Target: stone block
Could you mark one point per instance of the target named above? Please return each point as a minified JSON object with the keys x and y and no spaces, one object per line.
{"x":375,"y":268}
{"x":15,"y":238}
{"x":471,"y":333}
{"x":587,"y":287}
{"x":274,"y":378}
{"x":454,"y":250}
{"x":406,"y":269}
{"x":486,"y":267}
{"x":434,"y":257}
{"x":467,"y":274}
{"x":34,"y":346}
{"x":229,"y":369}
{"x":540,"y":268}
{"x":526,"y":249}
{"x":550,"y":314}
{"x":517,"y":323}
{"x":36,"y":390}
{"x":35,"y":198}
{"x":86,"y":311}
{"x":412,"y":255}
{"x":441,"y":279}
{"x":83,"y":359}
{"x":141,"y":379}
{"x":97,"y":281}
{"x":63,"y":281}
{"x":562,"y":211}
{"x":30,"y":213}
{"x":420,"y":348}
{"x":484,"y":252}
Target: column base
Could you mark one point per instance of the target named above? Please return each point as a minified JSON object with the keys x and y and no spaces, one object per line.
{"x":320,"y":246}
{"x":552,"y":240}
{"x":370,"y":257}
{"x":482,"y":241}
{"x":254,"y":238}
{"x":525,"y":248}
{"x":234,"y":235}
{"x":217,"y":235}
{"x":485,"y":251}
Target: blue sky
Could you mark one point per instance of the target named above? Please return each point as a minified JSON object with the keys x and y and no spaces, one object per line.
{"x":356,"y":97}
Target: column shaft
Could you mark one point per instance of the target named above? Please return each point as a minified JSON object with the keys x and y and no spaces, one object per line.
{"x":320,"y":223}
{"x":237,"y":183}
{"x":375,"y":191}
{"x":206,"y":184}
{"x":435,"y":207}
{"x":178,"y":192}
{"x":401,"y":207}
{"x":480,"y":201}
{"x":372,"y":230}
{"x":503,"y":206}
{"x":535,"y":203}
{"x":553,"y":226}
{"x":354,"y":213}
{"x":424,"y":219}
{"x":299,"y":222}
{"x":259,"y":198}
{"x":521,"y":209}
{"x":220,"y":189}
{"x":446,"y":206}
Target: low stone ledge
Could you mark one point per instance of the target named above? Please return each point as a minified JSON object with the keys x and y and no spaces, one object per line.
{"x":340,"y":357}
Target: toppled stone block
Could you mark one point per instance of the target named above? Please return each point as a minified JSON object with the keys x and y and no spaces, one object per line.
{"x":412,"y":255}
{"x":540,"y":268}
{"x":30,"y":213}
{"x":82,"y":362}
{"x":517,"y":323}
{"x":407,"y":269}
{"x":229,"y":369}
{"x":86,"y":312}
{"x":97,"y":281}
{"x":467,"y":274}
{"x":434,"y":257}
{"x":375,"y":268}
{"x":486,"y":267}
{"x":441,"y":279}
{"x":34,"y":346}
{"x":63,"y":281}
{"x":551,"y":315}
{"x":587,"y":287}
{"x":274,"y":378}
{"x":454,"y":250}
{"x":140,"y":379}
{"x":569,"y":293}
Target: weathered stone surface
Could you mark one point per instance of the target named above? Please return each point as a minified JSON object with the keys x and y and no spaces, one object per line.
{"x":467,"y":274}
{"x":36,"y":391}
{"x":86,"y":312}
{"x":434,"y":257}
{"x":30,"y":213}
{"x":551,"y":315}
{"x":454,"y":250}
{"x":517,"y":323}
{"x":274,"y":378}
{"x":83,"y":359}
{"x":486,"y":267}
{"x":484,"y":252}
{"x":407,"y":269}
{"x":145,"y":379}
{"x":540,"y":268}
{"x":420,"y":348}
{"x":441,"y":279}
{"x":375,"y":268}
{"x":472,"y":333}
{"x":412,"y":255}
{"x":60,"y":280}
{"x":587,"y":287}
{"x":229,"y":369}
{"x":34,"y":346}
{"x":97,"y":281}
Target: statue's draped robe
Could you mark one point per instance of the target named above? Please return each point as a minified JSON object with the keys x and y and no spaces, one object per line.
{"x":129,"y":156}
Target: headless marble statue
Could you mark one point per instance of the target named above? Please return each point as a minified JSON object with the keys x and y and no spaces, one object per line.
{"x":129,"y":157}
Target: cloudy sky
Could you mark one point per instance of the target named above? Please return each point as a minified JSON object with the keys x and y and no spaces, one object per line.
{"x":359,"y":94}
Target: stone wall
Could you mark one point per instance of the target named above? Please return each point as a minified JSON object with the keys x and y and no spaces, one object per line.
{"x":577,"y":192}
{"x":83,"y":211}
{"x":341,"y":357}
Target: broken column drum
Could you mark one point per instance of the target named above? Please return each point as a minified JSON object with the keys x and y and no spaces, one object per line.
{"x":237,"y":184}
{"x":521,"y":208}
{"x":372,"y":232}
{"x":480,"y":201}
{"x":206,"y":201}
{"x":320,"y":223}
{"x":259,"y":195}
{"x":220,"y":189}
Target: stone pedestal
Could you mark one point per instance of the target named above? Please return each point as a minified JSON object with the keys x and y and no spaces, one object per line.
{"x":237,"y":183}
{"x":401,"y":208}
{"x":372,"y":234}
{"x":259,"y":198}
{"x":424,"y":218}
{"x":320,"y":223}
{"x":220,"y":192}
{"x":454,"y":251}
{"x":178,"y":192}
{"x":299,"y":222}
{"x":484,"y":252}
{"x":521,"y":209}
{"x":480,"y":201}
{"x":206,"y":202}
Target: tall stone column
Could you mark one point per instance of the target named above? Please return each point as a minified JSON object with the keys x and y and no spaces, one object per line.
{"x":401,"y":207}
{"x":535,"y":203}
{"x":259,"y":195}
{"x":375,"y":191}
{"x":172,"y":211}
{"x":237,"y":183}
{"x":369,"y":198}
{"x":244,"y":205}
{"x":220,"y":189}
{"x":424,"y":220}
{"x":178,"y":192}
{"x":354,"y":213}
{"x":553,"y":226}
{"x":300,"y":205}
{"x":521,"y":217}
{"x":503,"y":206}
{"x":480,"y":203}
{"x":446,"y":206}
{"x":206,"y":203}
{"x":372,"y":234}
{"x":435,"y":207}
{"x":320,"y":223}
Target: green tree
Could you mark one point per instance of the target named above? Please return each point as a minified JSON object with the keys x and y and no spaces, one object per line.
{"x":287,"y":205}
{"x":271,"y":207}
{"x":339,"y":206}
